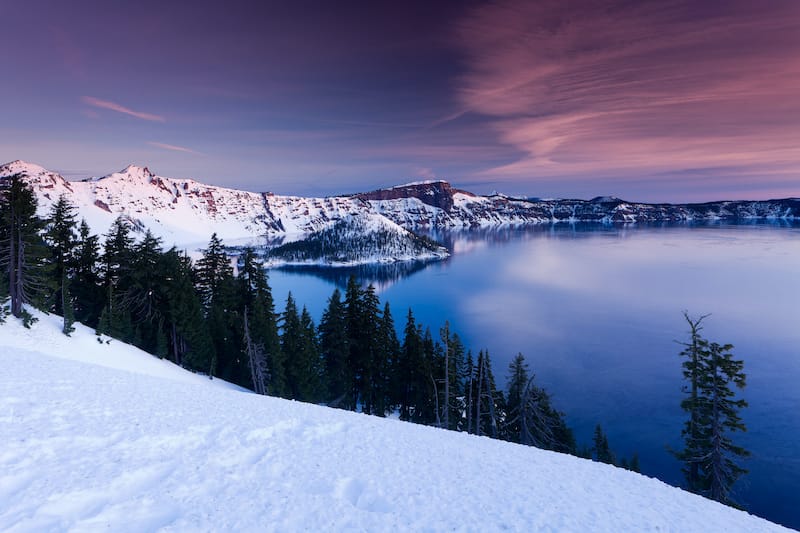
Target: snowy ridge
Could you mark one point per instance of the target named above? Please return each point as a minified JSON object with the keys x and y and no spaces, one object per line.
{"x":88,"y":447}
{"x":184,"y":211}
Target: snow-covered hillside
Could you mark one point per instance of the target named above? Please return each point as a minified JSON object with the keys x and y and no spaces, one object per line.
{"x":185,"y":212}
{"x":358,"y":240}
{"x":105,"y":437}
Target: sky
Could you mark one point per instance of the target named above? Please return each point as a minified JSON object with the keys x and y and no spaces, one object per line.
{"x":667,"y":100}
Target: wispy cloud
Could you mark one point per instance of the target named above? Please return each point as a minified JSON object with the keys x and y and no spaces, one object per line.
{"x":583,"y":88}
{"x":105,"y":104}
{"x":424,"y":172}
{"x":173,"y":147}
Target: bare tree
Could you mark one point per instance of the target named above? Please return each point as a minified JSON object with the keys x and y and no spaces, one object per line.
{"x":257,"y":357}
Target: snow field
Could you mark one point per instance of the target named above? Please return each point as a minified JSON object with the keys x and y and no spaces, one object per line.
{"x":105,"y":437}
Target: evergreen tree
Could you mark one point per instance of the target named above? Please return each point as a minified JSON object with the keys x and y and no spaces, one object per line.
{"x":469,"y":386}
{"x":369,"y":358}
{"x":517,"y":383}
{"x":62,"y":242}
{"x":709,"y":455}
{"x":693,"y":351}
{"x":335,"y":352}
{"x":86,"y":286}
{"x":115,"y":320}
{"x":601,"y":448}
{"x":452,"y":364}
{"x":409,"y":383}
{"x":145,"y":297}
{"x":388,"y":351}
{"x":262,"y":321}
{"x":22,"y":251}
{"x":428,"y":410}
{"x":355,"y":340}
{"x":299,"y":345}
{"x":189,"y":340}
{"x":213,"y":271}
{"x":540,"y":424}
{"x":489,"y":402}
{"x":719,"y":417}
{"x":634,"y":464}
{"x":310,"y":389}
{"x":217,"y":290}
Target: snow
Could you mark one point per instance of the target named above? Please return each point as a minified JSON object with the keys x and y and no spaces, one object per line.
{"x":105,"y":437}
{"x":417,"y":183}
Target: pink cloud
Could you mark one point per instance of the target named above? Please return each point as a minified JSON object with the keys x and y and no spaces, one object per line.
{"x":173,"y":147}
{"x":105,"y":104}
{"x":616,"y":88}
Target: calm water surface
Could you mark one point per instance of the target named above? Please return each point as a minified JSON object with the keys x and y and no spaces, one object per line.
{"x":597,"y":311}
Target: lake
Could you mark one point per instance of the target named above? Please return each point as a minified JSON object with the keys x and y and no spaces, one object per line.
{"x":597,"y":311}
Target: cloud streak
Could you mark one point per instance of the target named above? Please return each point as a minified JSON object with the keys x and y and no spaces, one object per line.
{"x":112,"y":106}
{"x":173,"y":147}
{"x":586,"y":89}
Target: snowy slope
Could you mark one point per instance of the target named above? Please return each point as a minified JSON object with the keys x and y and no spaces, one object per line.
{"x":87,"y":447}
{"x":185,"y":212}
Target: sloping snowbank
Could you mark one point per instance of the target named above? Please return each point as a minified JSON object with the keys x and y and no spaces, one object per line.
{"x":82,"y":345}
{"x":105,"y":437}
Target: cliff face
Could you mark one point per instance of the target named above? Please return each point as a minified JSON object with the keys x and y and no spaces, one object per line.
{"x":438,"y":194}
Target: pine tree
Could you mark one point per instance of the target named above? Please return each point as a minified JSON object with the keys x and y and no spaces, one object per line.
{"x":409,"y":389}
{"x":388,"y":350}
{"x":369,"y":362}
{"x":335,"y":352}
{"x":601,"y":448}
{"x":720,"y":417}
{"x":262,"y":321}
{"x":531,"y":418}
{"x":189,"y":339}
{"x":217,"y":290}
{"x":517,"y":383}
{"x":86,"y":286}
{"x":710,"y":456}
{"x":62,"y":242}
{"x":489,"y":402}
{"x":452,"y":365}
{"x":355,"y":340}
{"x":694,"y":352}
{"x":469,"y":385}
{"x":213,"y":270}
{"x":299,"y":345}
{"x":22,"y":251}
{"x":634,"y":464}
{"x":115,"y":320}
{"x":311,"y":386}
{"x":145,"y":297}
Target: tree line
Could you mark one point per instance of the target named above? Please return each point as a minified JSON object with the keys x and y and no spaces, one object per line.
{"x":210,"y":317}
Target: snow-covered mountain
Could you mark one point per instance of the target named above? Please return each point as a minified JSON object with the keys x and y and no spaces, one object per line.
{"x":105,"y":437}
{"x":183,"y":211}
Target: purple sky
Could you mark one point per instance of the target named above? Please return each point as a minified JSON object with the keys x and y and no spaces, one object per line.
{"x":652,"y":101}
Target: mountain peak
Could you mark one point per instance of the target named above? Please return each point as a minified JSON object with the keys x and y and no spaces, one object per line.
{"x":18,"y":166}
{"x":134,"y":172}
{"x":135,"y":169}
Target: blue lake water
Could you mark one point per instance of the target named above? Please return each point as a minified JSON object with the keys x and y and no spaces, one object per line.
{"x":597,"y":311}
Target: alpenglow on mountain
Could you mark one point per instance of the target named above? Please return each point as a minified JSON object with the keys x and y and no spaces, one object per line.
{"x":184,"y":211}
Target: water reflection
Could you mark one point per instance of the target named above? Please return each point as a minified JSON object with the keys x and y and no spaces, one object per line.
{"x":380,"y":275}
{"x":596,"y":310}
